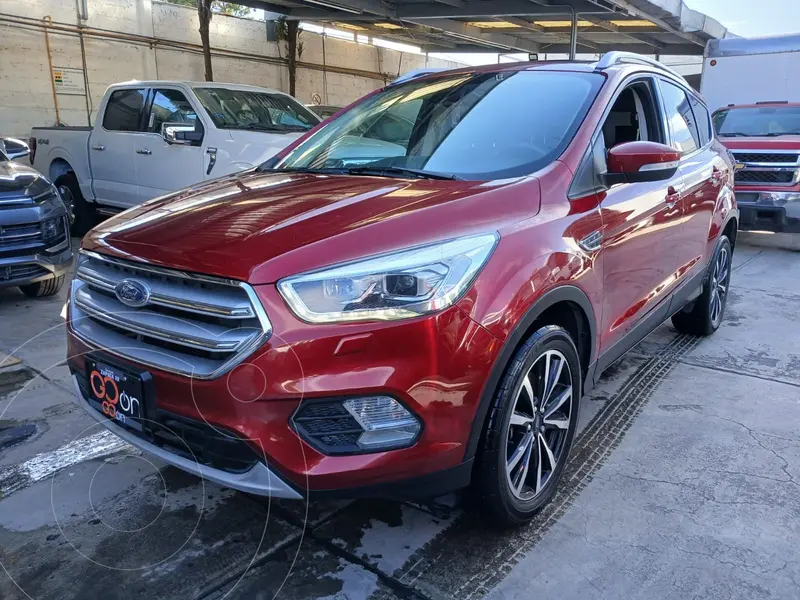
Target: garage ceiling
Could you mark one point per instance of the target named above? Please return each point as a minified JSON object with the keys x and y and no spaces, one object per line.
{"x":647,"y":26}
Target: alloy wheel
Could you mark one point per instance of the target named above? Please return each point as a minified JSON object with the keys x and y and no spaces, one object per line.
{"x":539,"y":425}
{"x":719,"y":284}
{"x":69,"y":202}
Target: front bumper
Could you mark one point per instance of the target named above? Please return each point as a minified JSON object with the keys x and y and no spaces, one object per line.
{"x":757,"y":213}
{"x":32,"y":268}
{"x":29,"y":258}
{"x":436,"y":366}
{"x":258,"y":480}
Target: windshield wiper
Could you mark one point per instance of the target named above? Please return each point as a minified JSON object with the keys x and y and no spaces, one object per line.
{"x":775,"y":134}
{"x":398,"y":172}
{"x":735,"y":134}
{"x":273,"y":128}
{"x":315,"y":171}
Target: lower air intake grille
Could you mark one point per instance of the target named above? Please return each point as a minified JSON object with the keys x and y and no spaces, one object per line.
{"x":774,"y":177}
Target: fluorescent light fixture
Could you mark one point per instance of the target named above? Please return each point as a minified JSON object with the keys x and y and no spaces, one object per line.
{"x":494,"y":25}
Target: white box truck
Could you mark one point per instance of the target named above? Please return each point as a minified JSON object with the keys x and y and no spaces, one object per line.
{"x":750,"y":70}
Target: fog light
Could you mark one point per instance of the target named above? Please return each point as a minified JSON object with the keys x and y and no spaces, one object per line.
{"x":356,"y":425}
{"x":386,"y":423}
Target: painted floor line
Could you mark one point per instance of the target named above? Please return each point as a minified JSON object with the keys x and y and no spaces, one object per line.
{"x":47,"y":464}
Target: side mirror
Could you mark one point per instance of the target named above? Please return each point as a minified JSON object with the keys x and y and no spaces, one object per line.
{"x":184,"y":134}
{"x":16,"y":148}
{"x":636,"y":162}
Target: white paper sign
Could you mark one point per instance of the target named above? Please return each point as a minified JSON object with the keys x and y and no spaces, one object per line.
{"x":69,"y":81}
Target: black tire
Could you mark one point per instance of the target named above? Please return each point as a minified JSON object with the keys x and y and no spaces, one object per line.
{"x":704,"y":315}
{"x":40,"y":289}
{"x":497,"y":486}
{"x":82,"y":215}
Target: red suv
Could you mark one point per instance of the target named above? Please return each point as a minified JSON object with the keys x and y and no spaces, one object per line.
{"x":415,"y":295}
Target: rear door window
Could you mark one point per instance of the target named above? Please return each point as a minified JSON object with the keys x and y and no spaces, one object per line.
{"x":124,"y":110}
{"x":685,"y":135}
{"x":703,"y":120}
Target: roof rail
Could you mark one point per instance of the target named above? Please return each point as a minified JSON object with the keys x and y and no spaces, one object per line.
{"x":615,"y":57}
{"x":416,"y":73}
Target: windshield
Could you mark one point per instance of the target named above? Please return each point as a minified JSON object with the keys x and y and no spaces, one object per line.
{"x":237,"y":109}
{"x":477,"y":126}
{"x":758,"y":121}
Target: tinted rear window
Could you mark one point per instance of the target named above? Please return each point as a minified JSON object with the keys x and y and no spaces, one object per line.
{"x":124,"y":110}
{"x":476,"y":126}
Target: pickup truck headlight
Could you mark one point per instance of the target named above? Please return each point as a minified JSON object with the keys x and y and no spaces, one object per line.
{"x":391,"y":286}
{"x":53,"y":229}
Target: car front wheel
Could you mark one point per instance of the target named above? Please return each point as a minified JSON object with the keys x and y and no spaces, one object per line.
{"x":531,"y":427}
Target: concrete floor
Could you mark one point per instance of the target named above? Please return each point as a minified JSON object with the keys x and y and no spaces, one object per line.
{"x":683,"y":483}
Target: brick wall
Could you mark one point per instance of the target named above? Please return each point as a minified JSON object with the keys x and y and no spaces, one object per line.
{"x":26,"y":97}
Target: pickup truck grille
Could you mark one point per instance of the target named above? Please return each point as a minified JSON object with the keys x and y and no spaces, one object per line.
{"x":766,"y":157}
{"x":770,"y":177}
{"x":765,"y":167}
{"x":14,"y":237}
{"x":188,"y":324}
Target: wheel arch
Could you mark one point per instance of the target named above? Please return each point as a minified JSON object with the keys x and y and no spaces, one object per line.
{"x":59,"y":166}
{"x":731,"y":230}
{"x":567,"y":306}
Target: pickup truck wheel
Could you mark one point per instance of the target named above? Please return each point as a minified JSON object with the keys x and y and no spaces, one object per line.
{"x":531,"y":428}
{"x":40,"y":289}
{"x":82,"y":216}
{"x":704,"y":316}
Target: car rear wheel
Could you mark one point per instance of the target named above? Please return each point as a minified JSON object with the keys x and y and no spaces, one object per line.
{"x":531,"y":427}
{"x":40,"y":289}
{"x":82,"y":215}
{"x":704,"y":315}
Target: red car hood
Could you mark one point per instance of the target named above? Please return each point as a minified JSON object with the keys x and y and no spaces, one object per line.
{"x":259,"y":227}
{"x":785,"y":142}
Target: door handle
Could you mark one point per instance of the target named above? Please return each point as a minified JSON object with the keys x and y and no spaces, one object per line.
{"x":673,"y":196}
{"x":212,"y":153}
{"x":100,"y":147}
{"x":144,"y":151}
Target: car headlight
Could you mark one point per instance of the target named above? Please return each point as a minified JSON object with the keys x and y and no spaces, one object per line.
{"x":779,"y":198}
{"x":399,"y":285}
{"x":53,"y":229}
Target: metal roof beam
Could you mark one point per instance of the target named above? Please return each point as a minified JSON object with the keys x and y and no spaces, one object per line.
{"x":479,"y":8}
{"x":454,"y":3}
{"x":608,"y":26}
{"x":638,"y":47}
{"x":468,"y":33}
{"x":351,"y":7}
{"x":527,"y":25}
{"x":637,"y":12}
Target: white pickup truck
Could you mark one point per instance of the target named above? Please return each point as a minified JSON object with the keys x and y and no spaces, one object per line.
{"x":155,"y":137}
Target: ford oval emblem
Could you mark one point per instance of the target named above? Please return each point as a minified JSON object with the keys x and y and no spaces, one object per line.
{"x":132,"y":293}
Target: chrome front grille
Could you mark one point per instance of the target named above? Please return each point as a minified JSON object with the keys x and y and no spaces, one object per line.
{"x":189,"y":324}
{"x":771,"y":167}
{"x":13,"y":237}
